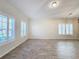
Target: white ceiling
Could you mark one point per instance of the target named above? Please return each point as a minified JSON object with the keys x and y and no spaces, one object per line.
{"x":39,"y":8}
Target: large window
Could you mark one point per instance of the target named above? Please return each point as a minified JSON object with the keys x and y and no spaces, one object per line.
{"x":69,"y":29}
{"x":23,"y":29}
{"x":11,"y":29}
{"x":65,"y":29}
{"x":3,"y":28}
{"x":61,"y":29}
{"x":7,"y":28}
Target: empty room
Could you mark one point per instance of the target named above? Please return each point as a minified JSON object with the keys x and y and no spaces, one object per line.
{"x":39,"y":29}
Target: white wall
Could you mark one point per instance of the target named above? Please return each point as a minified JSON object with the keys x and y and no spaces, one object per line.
{"x":5,"y":7}
{"x":48,"y":28}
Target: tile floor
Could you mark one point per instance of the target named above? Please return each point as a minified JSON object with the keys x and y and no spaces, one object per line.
{"x":46,"y":49}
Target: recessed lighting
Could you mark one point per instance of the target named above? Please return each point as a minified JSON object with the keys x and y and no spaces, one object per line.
{"x":53,"y":4}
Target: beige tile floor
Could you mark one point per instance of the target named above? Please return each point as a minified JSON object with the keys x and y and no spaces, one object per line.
{"x":46,"y":49}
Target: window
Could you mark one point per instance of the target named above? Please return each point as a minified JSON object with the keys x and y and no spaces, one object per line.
{"x":11,"y":34}
{"x":65,"y":29}
{"x":7,"y":28}
{"x":69,"y":29}
{"x":3,"y":28}
{"x":62,"y":29}
{"x":23,"y":29}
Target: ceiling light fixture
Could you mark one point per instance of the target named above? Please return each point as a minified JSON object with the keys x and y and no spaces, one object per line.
{"x":53,"y":4}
